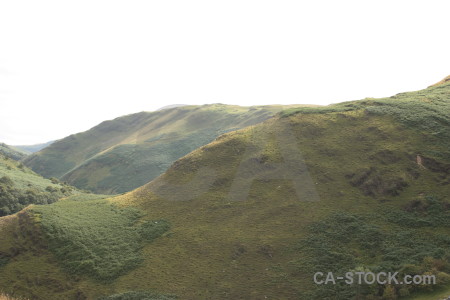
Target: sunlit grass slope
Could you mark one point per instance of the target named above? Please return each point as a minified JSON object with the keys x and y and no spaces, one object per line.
{"x":363,"y":164}
{"x":20,"y":186}
{"x":125,"y":153}
{"x":363,"y":203}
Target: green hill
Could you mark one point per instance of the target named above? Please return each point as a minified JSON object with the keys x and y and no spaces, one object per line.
{"x":125,"y":153}
{"x":20,"y":186}
{"x":33,"y":148}
{"x":11,"y":152}
{"x":361,"y":185}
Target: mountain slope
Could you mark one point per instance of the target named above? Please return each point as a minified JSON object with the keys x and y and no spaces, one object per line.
{"x":19,"y":187}
{"x":11,"y":152}
{"x":362,"y":185}
{"x":33,"y":148}
{"x":120,"y":155}
{"x":442,"y":82}
{"x":271,"y":243}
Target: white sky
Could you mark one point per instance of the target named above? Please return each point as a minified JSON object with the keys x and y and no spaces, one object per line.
{"x":65,"y":66}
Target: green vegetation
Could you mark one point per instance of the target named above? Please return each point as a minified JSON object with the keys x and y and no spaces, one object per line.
{"x":120,"y":155}
{"x":422,"y":212}
{"x":344,"y":242}
{"x":13,"y":199}
{"x":30,"y":271}
{"x":33,"y":148}
{"x":86,"y":196}
{"x":376,"y":209}
{"x":96,"y":238}
{"x":10,"y":152}
{"x":426,"y":110}
{"x":6,"y":297}
{"x":75,"y":249}
{"x":139,"y":296}
{"x":20,"y":187}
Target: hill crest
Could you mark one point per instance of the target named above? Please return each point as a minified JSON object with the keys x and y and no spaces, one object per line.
{"x":442,"y":82}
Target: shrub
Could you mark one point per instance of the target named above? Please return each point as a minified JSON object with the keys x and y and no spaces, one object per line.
{"x":345,"y":241}
{"x":96,"y":238}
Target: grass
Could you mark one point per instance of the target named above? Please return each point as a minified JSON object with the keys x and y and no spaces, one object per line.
{"x":6,"y":297}
{"x":86,"y":197}
{"x":96,"y":238}
{"x":11,"y":152}
{"x":268,"y":244}
{"x":120,"y":155}
{"x":139,"y":296}
{"x":334,"y":146}
{"x":31,"y":271}
{"x":255,"y":237}
{"x":343,"y":242}
{"x":22,"y":176}
{"x":74,"y":248}
{"x":145,"y":161}
{"x":19,"y":187}
{"x":28,"y":149}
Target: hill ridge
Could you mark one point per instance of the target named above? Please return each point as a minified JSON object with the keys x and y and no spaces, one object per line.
{"x":378,"y":211}
{"x":149,"y":141}
{"x":442,"y":82}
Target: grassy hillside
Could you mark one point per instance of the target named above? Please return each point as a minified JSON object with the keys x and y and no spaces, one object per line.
{"x":11,"y":152}
{"x":20,"y":186}
{"x":125,"y":153}
{"x":377,"y":209}
{"x":361,"y":185}
{"x":33,"y":148}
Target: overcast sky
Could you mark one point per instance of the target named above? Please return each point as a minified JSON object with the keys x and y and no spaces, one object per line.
{"x":65,"y":66}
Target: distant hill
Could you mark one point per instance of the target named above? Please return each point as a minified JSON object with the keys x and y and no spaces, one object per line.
{"x":122,"y":154}
{"x":357,"y":186}
{"x":33,"y":148}
{"x":12,"y":152}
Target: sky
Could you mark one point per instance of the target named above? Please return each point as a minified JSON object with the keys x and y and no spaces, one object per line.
{"x":66,"y":66}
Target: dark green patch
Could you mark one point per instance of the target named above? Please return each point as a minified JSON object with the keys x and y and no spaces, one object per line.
{"x":139,"y":296}
{"x":345,"y":242}
{"x":426,"y":110}
{"x":13,"y":199}
{"x":98,"y":159}
{"x":11,"y":153}
{"x":3,"y":260}
{"x":426,"y":212}
{"x":373,"y":182}
{"x":96,"y":238}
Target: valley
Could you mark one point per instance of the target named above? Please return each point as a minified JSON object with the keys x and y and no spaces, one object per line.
{"x":229,"y":202}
